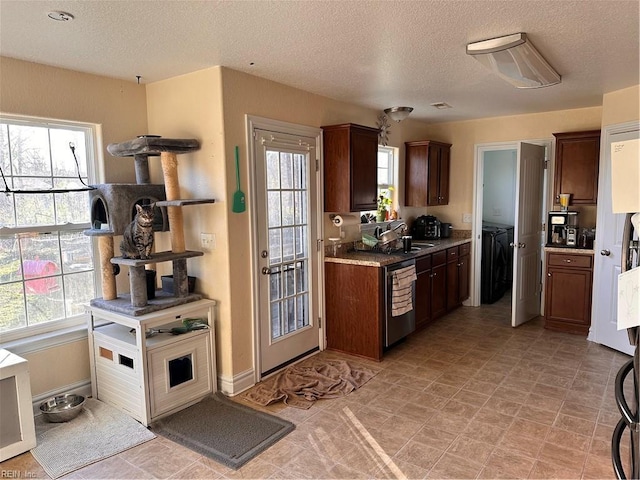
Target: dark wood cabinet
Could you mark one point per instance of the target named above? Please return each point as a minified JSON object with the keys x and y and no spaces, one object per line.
{"x":457,"y":275}
{"x":568,"y":292}
{"x":438,"y":284}
{"x":355,"y":303}
{"x":576,"y":166}
{"x":452,"y":278}
{"x":350,"y":168}
{"x":427,"y":173}
{"x":423,"y":291}
{"x":354,"y":309}
{"x":464,"y":270}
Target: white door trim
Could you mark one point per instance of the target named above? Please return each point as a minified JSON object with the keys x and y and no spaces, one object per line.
{"x":476,"y":227}
{"x":253,"y":123}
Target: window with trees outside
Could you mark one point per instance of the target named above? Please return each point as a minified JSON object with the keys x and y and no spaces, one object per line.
{"x":46,"y":262}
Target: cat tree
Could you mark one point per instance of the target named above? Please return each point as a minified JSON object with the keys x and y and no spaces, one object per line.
{"x":112,"y":207}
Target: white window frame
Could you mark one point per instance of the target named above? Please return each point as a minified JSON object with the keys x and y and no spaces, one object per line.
{"x":391,"y":175}
{"x":95,"y":174}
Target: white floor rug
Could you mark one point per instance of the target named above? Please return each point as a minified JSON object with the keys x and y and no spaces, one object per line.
{"x":100,"y":431}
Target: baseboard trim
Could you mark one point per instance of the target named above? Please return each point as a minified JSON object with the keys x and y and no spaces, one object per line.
{"x":238,"y":383}
{"x":80,"y":388}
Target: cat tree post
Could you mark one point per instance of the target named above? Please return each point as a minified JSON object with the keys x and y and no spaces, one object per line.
{"x":172,"y":189}
{"x":138,"y":286}
{"x":105,"y":246}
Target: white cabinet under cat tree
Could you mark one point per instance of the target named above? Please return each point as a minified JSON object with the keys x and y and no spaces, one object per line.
{"x":143,"y":372}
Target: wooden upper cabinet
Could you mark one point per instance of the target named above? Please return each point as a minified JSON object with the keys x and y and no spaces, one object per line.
{"x":426,"y":173}
{"x":350,"y":168}
{"x":576,"y":169}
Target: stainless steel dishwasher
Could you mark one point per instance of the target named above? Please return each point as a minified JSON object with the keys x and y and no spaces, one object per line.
{"x":399,"y":326}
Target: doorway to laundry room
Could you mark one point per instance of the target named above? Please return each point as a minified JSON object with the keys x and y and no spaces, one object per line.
{"x":511,"y":183}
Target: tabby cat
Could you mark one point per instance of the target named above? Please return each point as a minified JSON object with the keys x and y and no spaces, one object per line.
{"x":137,"y":239}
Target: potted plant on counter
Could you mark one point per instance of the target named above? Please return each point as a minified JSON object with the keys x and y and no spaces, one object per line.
{"x":384,"y":205}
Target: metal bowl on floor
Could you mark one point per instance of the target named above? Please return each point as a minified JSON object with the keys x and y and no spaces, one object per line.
{"x":62,"y":408}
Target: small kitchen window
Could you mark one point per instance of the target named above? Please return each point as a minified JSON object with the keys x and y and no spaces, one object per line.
{"x":386,"y":164}
{"x":386,"y":175}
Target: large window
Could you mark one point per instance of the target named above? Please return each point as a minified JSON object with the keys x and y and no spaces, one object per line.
{"x":46,"y":262}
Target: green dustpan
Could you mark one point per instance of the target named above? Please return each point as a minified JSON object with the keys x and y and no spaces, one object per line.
{"x":239,"y":204}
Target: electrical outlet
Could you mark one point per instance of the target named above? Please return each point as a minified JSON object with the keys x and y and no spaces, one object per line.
{"x":208,"y":241}
{"x":466,"y":218}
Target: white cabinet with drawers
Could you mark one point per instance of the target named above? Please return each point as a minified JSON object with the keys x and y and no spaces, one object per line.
{"x":149,"y":377}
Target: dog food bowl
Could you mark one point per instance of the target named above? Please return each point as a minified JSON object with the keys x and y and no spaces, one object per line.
{"x":62,"y":408}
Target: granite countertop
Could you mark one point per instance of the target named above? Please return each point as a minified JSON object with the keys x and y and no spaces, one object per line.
{"x":569,"y":250}
{"x":377,"y":259}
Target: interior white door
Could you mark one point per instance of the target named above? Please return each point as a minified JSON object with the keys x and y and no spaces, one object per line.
{"x":286,"y":241}
{"x":527,"y":238}
{"x":608,"y":252}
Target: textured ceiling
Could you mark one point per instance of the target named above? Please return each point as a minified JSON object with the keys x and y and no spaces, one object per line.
{"x":372,"y":53}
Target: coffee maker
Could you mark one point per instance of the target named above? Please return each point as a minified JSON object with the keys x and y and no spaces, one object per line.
{"x":562,"y":229}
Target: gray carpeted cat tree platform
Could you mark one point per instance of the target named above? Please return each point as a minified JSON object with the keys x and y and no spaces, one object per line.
{"x":113,"y":208}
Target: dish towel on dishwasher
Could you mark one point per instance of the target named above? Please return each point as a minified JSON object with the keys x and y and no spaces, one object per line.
{"x":402,"y":292}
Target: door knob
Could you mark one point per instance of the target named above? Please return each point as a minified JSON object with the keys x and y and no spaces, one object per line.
{"x":266,"y":270}
{"x":522,"y":245}
{"x":513,"y":245}
{"x":605,"y":252}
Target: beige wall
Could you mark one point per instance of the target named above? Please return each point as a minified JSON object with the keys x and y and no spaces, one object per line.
{"x":190,"y":106}
{"x":119,"y":108}
{"x":621,"y":106}
{"x":465,"y":135}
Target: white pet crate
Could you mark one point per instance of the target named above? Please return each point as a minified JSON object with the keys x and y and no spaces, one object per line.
{"x":18,"y":433}
{"x":152,"y":377}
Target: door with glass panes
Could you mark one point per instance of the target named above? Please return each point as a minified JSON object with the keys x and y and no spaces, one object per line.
{"x":288,"y":259}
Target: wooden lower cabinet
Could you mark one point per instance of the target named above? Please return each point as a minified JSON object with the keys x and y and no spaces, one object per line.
{"x":568,"y":292}
{"x":457,"y":275}
{"x":423,"y":291}
{"x":431,"y":288}
{"x":354,"y":309}
{"x":354,"y":297}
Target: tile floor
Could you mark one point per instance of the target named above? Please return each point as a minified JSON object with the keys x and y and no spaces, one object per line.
{"x":468,"y":397}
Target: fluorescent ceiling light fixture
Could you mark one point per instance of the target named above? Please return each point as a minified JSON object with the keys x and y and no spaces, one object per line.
{"x":397,"y":114}
{"x":514,"y":59}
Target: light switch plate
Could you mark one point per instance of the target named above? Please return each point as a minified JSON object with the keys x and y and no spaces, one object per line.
{"x":208,"y":241}
{"x":466,"y":218}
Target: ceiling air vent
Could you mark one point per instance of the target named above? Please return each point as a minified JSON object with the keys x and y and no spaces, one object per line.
{"x":441,"y":105}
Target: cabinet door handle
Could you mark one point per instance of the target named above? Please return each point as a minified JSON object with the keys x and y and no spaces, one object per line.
{"x":605,"y":252}
{"x":567,"y":260}
{"x":548,"y":274}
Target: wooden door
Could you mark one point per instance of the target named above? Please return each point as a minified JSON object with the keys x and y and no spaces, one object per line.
{"x":433,"y":175}
{"x":527,"y":262}
{"x":364,"y":171}
{"x":463,"y":278}
{"x":443,"y":179}
{"x":423,"y":291}
{"x":438,"y":285}
{"x":416,"y":171}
